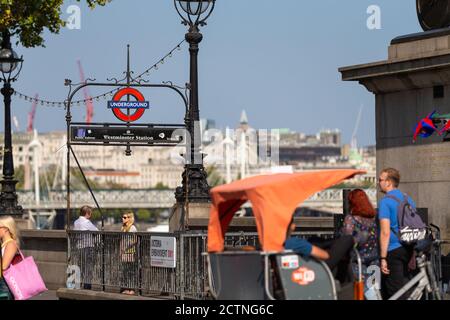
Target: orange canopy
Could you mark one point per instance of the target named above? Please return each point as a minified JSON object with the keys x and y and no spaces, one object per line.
{"x":274,"y":199}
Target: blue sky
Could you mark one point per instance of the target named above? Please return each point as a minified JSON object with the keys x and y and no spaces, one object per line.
{"x":278,"y":60}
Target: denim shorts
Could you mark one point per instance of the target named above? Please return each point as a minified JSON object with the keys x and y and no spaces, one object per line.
{"x":5,"y":293}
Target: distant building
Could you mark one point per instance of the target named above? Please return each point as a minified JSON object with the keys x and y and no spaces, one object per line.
{"x":330,"y":137}
{"x":112,"y":176}
{"x":299,"y":139}
{"x":206,"y":124}
{"x":294,"y":155}
{"x":345,"y":151}
{"x":145,"y":168}
{"x":297,"y":147}
{"x":250,"y":152}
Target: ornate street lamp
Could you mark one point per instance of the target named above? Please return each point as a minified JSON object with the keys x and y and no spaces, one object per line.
{"x":195,"y":186}
{"x":433,"y":14}
{"x":9,"y":63}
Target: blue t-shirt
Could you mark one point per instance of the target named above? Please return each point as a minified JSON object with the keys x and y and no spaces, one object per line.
{"x":388,"y":210}
{"x":298,"y":245}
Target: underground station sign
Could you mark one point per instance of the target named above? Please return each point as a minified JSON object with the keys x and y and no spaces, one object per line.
{"x":125,"y":133}
{"x":137,"y":107}
{"x":121,"y":134}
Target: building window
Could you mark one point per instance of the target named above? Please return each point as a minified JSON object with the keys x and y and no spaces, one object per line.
{"x":438,"y":92}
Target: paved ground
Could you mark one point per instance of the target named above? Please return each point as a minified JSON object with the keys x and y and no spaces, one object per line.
{"x":51,"y":295}
{"x":47,"y":295}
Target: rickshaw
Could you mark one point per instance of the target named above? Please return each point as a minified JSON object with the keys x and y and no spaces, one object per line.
{"x":272,"y":272}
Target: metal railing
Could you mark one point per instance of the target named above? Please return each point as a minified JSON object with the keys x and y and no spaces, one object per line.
{"x":114,"y":261}
{"x":138,"y":198}
{"x":150,"y":198}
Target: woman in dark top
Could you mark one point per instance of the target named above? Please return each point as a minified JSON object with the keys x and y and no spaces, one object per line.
{"x":361,"y":224}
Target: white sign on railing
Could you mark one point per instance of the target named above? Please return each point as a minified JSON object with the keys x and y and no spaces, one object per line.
{"x":163,"y":252}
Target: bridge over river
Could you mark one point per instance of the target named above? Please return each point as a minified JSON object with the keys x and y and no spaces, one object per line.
{"x":151,"y":199}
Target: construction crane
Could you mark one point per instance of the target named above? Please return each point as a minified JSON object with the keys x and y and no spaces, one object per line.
{"x":354,"y":143}
{"x":87,"y":96}
{"x":355,"y":157}
{"x":16,"y":123}
{"x":32,"y":113}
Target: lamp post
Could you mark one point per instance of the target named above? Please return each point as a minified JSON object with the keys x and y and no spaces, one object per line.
{"x":195,"y":186}
{"x":9,"y":62}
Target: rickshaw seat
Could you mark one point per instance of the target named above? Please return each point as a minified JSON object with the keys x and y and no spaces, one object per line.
{"x":239,"y":248}
{"x":243,"y":275}
{"x":237,"y":275}
{"x":302,"y":278}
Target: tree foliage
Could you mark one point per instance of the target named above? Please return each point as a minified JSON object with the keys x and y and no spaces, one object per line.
{"x":214,"y":177}
{"x":77,"y":181}
{"x":356,"y":185}
{"x":19,"y":175}
{"x":161,"y":186}
{"x":143,"y":214}
{"x":28,"y":19}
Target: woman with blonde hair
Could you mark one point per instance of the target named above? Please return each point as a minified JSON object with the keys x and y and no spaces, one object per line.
{"x":9,"y":239}
{"x":128,"y":222}
{"x":128,"y":254}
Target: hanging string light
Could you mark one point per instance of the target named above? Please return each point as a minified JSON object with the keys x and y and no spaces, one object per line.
{"x":102,"y":96}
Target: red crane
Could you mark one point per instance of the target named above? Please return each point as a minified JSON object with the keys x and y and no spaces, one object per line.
{"x":32,"y":113}
{"x":87,"y":96}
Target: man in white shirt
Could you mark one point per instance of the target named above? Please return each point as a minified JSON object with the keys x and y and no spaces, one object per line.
{"x":86,"y":245}
{"x":83,"y":223}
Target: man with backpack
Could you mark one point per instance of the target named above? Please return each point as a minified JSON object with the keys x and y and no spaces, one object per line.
{"x":400,"y":228}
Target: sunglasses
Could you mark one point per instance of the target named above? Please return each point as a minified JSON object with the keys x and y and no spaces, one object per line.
{"x":124,"y":217}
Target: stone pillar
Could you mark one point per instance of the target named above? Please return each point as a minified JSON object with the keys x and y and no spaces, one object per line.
{"x":23,"y":224}
{"x":412,"y":82}
{"x":194,"y":211}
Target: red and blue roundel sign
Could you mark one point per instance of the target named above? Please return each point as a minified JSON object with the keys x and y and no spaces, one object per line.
{"x":138,"y":106}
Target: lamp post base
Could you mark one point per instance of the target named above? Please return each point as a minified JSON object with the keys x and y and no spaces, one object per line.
{"x":8,"y":199}
{"x":195,"y":187}
{"x":23,"y":224}
{"x":187,"y":217}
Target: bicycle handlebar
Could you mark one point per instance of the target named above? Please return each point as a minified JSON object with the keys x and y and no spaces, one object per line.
{"x":440,"y":241}
{"x":435,"y":227}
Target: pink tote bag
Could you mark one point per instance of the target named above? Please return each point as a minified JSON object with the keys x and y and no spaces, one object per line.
{"x":23,"y":279}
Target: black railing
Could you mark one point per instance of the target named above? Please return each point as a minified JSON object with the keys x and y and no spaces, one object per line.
{"x":115,"y":261}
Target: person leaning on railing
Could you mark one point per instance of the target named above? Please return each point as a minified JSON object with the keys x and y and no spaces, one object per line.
{"x":10,"y":252}
{"x":85,"y":245}
{"x":128,"y":252}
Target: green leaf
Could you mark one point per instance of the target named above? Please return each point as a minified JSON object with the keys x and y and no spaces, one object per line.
{"x":29,"y":19}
